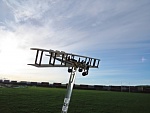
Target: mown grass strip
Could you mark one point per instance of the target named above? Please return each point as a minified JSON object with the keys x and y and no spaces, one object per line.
{"x":50,"y":100}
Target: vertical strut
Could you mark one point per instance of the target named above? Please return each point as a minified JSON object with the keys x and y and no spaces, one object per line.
{"x":66,"y":59}
{"x":62,"y":59}
{"x":98,"y":63}
{"x":69,"y":92}
{"x":51,"y":54}
{"x":36,"y":56}
{"x":54,"y":59}
{"x":94,"y":62}
{"x":41,"y":58}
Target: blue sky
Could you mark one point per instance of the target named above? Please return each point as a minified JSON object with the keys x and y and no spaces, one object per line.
{"x":117,"y":32}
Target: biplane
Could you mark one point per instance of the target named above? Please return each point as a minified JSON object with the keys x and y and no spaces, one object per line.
{"x":63,"y":59}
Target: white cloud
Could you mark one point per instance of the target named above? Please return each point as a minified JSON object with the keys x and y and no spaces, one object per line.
{"x":24,"y":10}
{"x":70,"y":23}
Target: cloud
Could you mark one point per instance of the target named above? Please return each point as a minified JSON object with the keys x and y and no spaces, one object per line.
{"x":24,"y":10}
{"x":75,"y":24}
{"x":79,"y":24}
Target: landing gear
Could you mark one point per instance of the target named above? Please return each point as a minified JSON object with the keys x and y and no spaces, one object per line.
{"x":70,"y":69}
{"x":80,"y":69}
{"x":85,"y":73}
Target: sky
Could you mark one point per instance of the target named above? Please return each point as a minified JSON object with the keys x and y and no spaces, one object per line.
{"x":117,"y":32}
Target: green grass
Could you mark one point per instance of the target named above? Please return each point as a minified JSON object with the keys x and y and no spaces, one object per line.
{"x":50,"y":100}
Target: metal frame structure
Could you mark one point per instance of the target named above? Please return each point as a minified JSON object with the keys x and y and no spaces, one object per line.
{"x":63,"y":59}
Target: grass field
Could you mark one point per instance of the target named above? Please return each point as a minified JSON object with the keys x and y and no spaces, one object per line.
{"x":50,"y":100}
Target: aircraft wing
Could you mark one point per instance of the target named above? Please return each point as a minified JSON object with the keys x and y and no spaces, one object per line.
{"x":63,"y":59}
